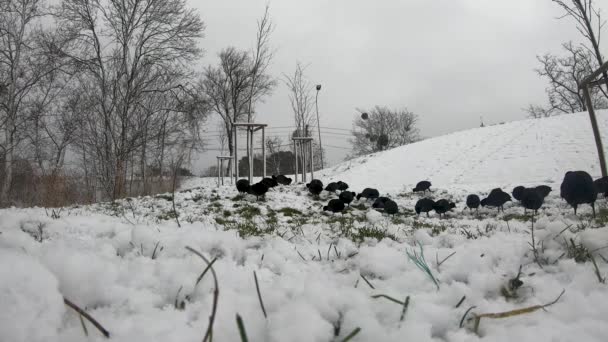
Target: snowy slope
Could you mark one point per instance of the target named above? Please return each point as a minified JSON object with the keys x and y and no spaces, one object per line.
{"x":527,"y":151}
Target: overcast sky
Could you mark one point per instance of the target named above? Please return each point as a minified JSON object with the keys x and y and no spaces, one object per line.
{"x":449,"y":61}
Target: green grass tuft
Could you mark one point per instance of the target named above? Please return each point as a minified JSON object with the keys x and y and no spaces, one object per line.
{"x":290,"y":212}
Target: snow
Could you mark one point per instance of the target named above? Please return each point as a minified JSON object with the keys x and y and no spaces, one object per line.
{"x":127,"y":265}
{"x":32,"y":307}
{"x":526,"y":151}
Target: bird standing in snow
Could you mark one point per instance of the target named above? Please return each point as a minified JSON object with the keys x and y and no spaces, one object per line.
{"x":315,"y":187}
{"x":578,"y":188}
{"x":424,"y":205}
{"x":497,"y":198}
{"x":601,"y":186}
{"x":242,"y":185}
{"x":335,"y":206}
{"x":422,"y":186}
{"x":369,"y":193}
{"x":391,"y":207}
{"x":473,"y":202}
{"x":443,"y":206}
{"x":347,"y":197}
{"x":258,"y":190}
{"x":532,"y":199}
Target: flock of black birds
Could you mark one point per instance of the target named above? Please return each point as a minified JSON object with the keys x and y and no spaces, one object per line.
{"x":577,"y":188}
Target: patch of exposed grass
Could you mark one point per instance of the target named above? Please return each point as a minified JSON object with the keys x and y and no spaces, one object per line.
{"x":418,"y":224}
{"x":227,"y":213}
{"x":290,"y":212}
{"x":601,"y":218}
{"x":224,"y":222}
{"x":438,"y":229}
{"x":517,"y":217}
{"x":249,"y":228}
{"x":435,"y":229}
{"x":238,"y":198}
{"x":248,"y":212}
{"x":374,"y":233}
{"x":344,"y":224}
{"x":272,"y":221}
{"x":397,"y":220}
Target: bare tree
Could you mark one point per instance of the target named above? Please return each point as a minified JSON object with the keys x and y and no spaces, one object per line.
{"x":536,"y":112}
{"x":227,"y":88}
{"x":301,"y":99}
{"x":230,"y":88}
{"x":382,"y":128}
{"x":261,"y":58}
{"x":589,"y":23}
{"x":273,"y":145}
{"x":564,"y":75}
{"x":222,"y":137}
{"x":25,"y":60}
{"x":130,"y":54}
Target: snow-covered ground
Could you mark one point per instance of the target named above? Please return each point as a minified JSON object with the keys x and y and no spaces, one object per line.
{"x":322,"y":276}
{"x":526,"y":151}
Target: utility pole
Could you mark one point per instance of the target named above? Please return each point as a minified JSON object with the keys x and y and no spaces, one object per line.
{"x":590,"y":81}
{"x":319,"y":124}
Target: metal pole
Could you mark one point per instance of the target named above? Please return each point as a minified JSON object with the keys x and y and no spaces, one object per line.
{"x":231,"y":172}
{"x":251,"y":155}
{"x":295,"y":149}
{"x":302,"y":165}
{"x":236,"y":156}
{"x":312,"y":161}
{"x":596,"y":131}
{"x":219,"y":170}
{"x":222,"y":170}
{"x":319,"y":123}
{"x":304,"y":156}
{"x":264,"y":150}
{"x":248,"y":154}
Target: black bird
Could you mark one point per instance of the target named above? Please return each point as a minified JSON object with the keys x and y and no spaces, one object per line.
{"x":532,"y":199}
{"x":334,"y":205}
{"x":379,"y":202}
{"x":473,"y":202}
{"x":543,"y":190}
{"x":258,"y":190}
{"x":424,"y":205}
{"x":347,"y":197}
{"x":518,"y":191}
{"x":242,"y":185}
{"x":578,"y":188}
{"x":443,"y":206}
{"x":496,"y":191}
{"x":332,"y":187}
{"x":315,"y":187}
{"x":281,"y":179}
{"x":342,"y":186}
{"x":390,"y":207}
{"x":369,"y":193}
{"x":497,"y":198}
{"x":422,"y":186}
{"x":601,"y":186}
{"x":270,"y":182}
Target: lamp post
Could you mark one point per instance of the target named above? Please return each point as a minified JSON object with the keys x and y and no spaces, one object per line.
{"x":319,"y":124}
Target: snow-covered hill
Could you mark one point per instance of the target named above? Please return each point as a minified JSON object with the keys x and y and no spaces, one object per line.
{"x":527,"y":151}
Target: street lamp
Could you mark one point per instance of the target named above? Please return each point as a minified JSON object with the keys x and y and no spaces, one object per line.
{"x":319,"y":124}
